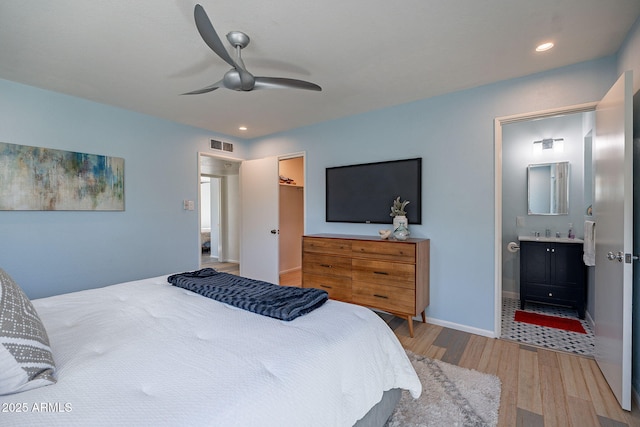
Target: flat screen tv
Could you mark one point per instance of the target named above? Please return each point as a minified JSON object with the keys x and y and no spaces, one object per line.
{"x":364,"y":193}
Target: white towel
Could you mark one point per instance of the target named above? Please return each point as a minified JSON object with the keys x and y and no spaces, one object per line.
{"x":589,"y":256}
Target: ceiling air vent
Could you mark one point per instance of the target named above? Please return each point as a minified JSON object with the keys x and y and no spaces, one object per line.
{"x":222,"y":146}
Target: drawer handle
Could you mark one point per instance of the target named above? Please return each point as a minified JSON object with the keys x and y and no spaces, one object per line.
{"x":325,"y":286}
{"x":325,"y":265}
{"x":381,"y":272}
{"x":380,"y":296}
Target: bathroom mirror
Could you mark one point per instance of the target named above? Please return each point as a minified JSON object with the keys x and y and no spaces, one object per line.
{"x":548,"y":188}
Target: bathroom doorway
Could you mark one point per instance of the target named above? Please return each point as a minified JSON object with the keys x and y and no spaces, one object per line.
{"x":566,"y":135}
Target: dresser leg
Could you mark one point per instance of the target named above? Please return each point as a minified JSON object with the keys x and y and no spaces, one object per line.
{"x":424,"y":318}
{"x":410,"y":322}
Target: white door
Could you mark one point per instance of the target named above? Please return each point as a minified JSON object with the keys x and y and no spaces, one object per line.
{"x":259,"y":230}
{"x":613,"y":209}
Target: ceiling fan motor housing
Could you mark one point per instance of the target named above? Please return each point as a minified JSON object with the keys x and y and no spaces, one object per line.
{"x":232,"y":80}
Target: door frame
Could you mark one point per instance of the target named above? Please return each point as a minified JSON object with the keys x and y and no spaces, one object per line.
{"x":498,"y":123}
{"x":223,"y":209}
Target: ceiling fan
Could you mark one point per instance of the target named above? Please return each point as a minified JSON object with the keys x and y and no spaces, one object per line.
{"x":238,"y":78}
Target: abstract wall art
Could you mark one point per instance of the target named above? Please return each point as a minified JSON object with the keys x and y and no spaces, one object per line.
{"x":44,"y":179}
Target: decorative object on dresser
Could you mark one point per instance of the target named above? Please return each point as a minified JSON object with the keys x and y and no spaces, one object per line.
{"x":399,"y":214}
{"x":389,"y":275}
{"x":384,"y":234}
{"x":552,"y":272}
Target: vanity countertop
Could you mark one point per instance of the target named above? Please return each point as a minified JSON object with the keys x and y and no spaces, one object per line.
{"x":549,"y":239}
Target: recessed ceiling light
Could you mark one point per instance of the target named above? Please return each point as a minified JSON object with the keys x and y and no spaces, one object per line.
{"x":242,"y":128}
{"x":544,"y":47}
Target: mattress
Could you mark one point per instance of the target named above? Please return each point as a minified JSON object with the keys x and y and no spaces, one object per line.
{"x":148,"y":353}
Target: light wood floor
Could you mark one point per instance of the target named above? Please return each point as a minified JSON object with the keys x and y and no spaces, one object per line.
{"x":292,"y":278}
{"x":539,"y":387}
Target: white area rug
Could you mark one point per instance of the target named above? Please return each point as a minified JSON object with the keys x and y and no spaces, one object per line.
{"x":451,"y":396}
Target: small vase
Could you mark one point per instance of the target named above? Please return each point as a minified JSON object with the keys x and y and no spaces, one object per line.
{"x":401,"y":233}
{"x":400,"y":219}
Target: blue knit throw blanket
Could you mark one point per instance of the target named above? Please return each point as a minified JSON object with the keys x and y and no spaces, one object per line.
{"x":267,"y":299}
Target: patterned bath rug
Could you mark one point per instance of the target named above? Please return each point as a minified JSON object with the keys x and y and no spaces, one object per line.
{"x":451,"y":396}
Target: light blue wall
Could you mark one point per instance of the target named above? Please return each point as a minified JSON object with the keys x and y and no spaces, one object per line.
{"x":57,"y":252}
{"x":454,"y":135}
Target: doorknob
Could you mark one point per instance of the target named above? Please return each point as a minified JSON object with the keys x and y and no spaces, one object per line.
{"x":274,"y":231}
{"x":619,"y":256}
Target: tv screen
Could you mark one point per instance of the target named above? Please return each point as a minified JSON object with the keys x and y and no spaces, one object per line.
{"x":364,"y":193}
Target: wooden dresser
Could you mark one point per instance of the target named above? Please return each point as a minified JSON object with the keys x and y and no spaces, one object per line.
{"x":389,"y":275}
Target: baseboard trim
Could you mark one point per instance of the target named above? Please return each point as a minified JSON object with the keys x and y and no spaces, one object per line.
{"x":459,"y":327}
{"x":291,"y":270}
{"x":510,"y":294}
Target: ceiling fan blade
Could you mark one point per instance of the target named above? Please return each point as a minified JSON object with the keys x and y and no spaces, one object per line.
{"x":205,"y":89}
{"x":209,"y":35}
{"x":284,"y":83}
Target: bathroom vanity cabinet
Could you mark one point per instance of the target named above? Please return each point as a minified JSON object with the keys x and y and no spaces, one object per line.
{"x":552,"y":273}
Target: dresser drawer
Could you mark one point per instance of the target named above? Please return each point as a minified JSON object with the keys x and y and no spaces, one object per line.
{"x":385,"y":250}
{"x":395,"y":300}
{"x":326,"y":246}
{"x":384,"y":273}
{"x":326,"y":264}
{"x":337,"y":287}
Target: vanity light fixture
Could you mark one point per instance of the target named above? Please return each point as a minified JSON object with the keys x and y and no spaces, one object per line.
{"x":243,"y":128}
{"x":555,"y":144}
{"x":544,"y":47}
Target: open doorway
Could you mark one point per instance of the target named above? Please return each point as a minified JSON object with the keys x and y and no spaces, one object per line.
{"x":566,"y":135}
{"x":291,"y":220}
{"x":219,"y":213}
{"x":264,"y":184}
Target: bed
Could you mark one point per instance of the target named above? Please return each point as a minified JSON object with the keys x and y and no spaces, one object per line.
{"x":149,"y":353}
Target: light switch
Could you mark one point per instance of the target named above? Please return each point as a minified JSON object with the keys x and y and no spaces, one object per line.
{"x":519,"y":221}
{"x":188,"y":205}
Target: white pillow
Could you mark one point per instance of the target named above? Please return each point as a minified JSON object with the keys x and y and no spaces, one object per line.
{"x":26,"y":361}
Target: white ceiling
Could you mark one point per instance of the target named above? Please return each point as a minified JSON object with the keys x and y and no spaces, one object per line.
{"x":366,"y":54}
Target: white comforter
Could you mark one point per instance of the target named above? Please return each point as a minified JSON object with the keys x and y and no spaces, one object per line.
{"x":148,"y":353}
